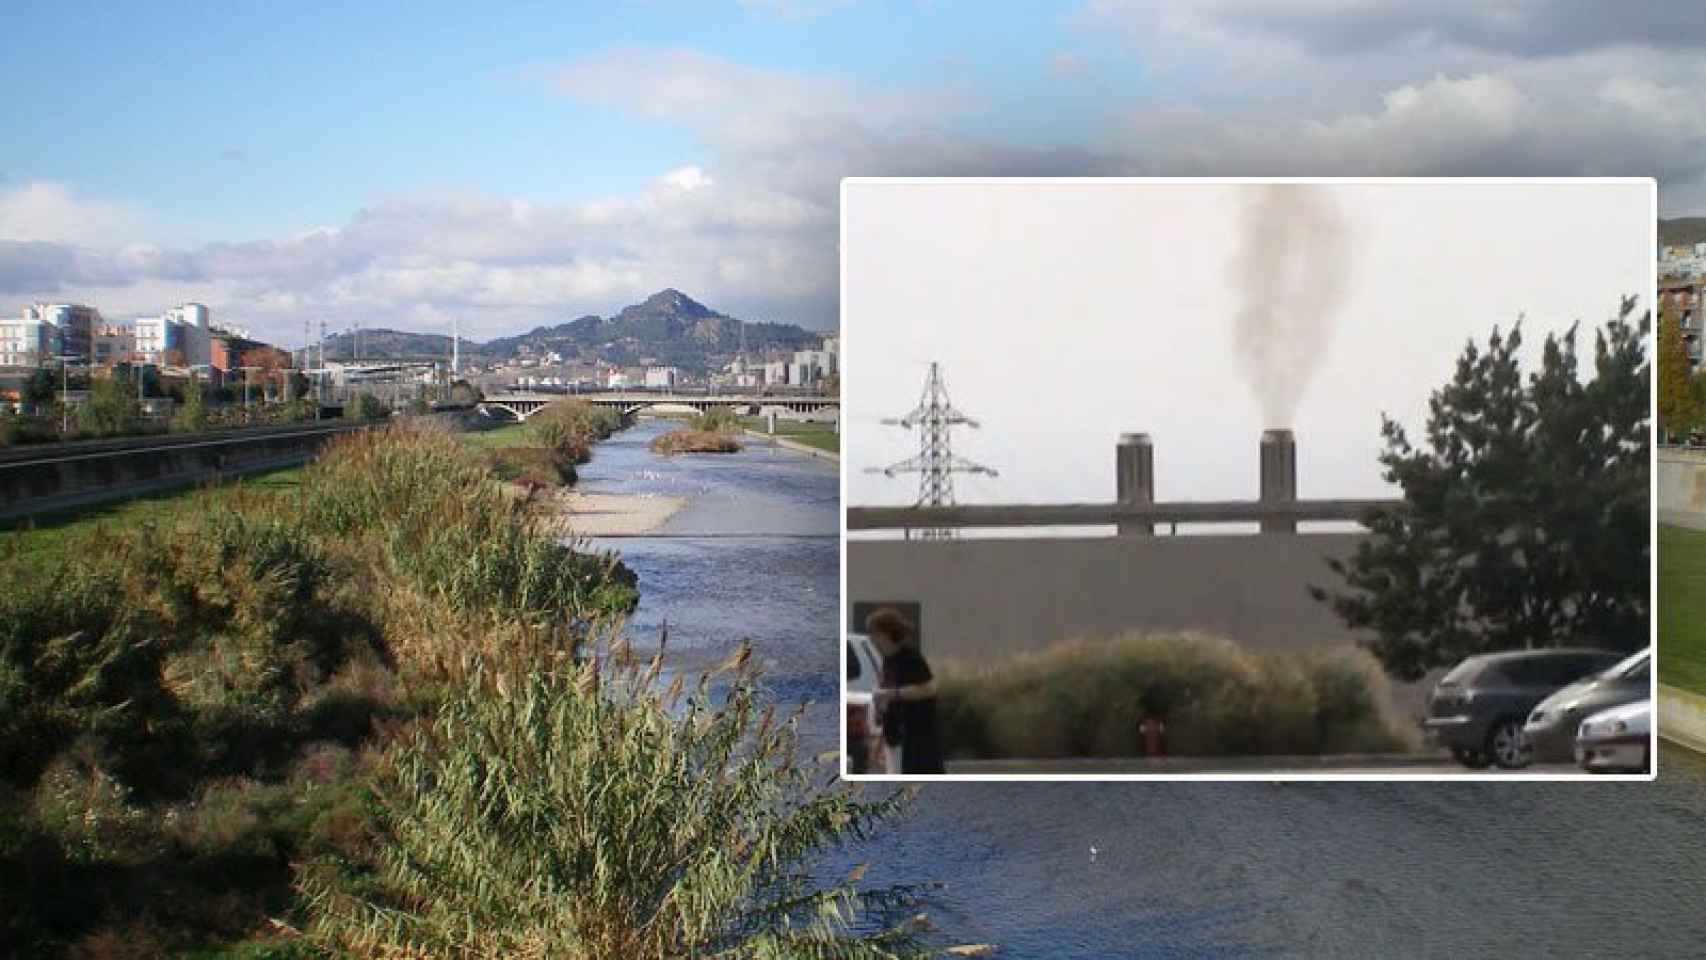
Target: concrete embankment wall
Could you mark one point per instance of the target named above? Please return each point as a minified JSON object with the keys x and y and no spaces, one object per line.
{"x":1682,"y":717}
{"x":40,"y":480}
{"x":1682,"y":488}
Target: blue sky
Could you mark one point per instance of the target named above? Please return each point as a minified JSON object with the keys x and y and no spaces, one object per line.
{"x":401,"y":164}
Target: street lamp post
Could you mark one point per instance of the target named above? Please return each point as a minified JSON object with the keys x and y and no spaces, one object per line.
{"x":64,"y":392}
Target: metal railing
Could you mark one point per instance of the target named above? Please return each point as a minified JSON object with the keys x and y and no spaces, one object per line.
{"x":1111,"y":514}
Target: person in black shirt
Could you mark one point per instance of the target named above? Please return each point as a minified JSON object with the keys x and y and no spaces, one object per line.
{"x":907,"y":694}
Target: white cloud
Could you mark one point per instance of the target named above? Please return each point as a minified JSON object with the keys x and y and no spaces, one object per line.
{"x":53,"y":212}
{"x":687,"y":178}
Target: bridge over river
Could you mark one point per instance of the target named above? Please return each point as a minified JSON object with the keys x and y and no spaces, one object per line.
{"x":524,"y":405}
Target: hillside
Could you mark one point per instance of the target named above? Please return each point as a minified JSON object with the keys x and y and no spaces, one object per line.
{"x":1682,"y":231}
{"x":383,"y":344}
{"x":669,"y":326}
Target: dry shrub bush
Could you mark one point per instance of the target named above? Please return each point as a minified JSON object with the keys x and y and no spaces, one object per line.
{"x":1086,"y":698}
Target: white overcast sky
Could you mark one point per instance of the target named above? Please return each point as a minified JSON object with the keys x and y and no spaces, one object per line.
{"x":1066,"y":313}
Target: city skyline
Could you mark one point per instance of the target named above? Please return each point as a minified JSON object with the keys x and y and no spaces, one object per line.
{"x":530,"y":165}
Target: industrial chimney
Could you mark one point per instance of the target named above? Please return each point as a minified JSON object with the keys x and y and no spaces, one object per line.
{"x":1279,"y":476}
{"x":1134,"y":473}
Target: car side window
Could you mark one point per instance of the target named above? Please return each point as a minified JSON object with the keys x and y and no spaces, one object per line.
{"x":1641,"y":673}
{"x":1570,"y":669}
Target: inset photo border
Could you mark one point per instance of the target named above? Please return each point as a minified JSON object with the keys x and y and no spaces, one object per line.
{"x":1277,"y":479}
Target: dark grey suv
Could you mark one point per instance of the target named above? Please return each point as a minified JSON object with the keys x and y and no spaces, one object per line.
{"x":1477,"y":710}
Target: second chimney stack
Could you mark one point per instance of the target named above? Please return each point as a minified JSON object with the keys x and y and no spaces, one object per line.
{"x":1279,"y":476}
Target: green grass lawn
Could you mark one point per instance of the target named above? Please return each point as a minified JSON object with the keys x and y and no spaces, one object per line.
{"x":46,"y":535}
{"x":819,"y":435}
{"x":1682,"y":608}
{"x":508,"y":435}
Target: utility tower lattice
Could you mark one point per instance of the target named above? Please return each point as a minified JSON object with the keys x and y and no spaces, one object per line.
{"x":935,"y":463}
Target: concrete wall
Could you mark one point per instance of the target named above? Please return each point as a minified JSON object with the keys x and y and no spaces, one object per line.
{"x":988,"y":596}
{"x":1682,"y":488}
{"x":37,"y":480}
{"x":1682,"y":717}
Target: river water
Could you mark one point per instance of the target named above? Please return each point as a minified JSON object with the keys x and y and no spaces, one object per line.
{"x":1183,"y":869}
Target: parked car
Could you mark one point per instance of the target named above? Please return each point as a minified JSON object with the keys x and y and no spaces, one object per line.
{"x":866,"y":750}
{"x":1618,"y":740}
{"x":1551,"y":728}
{"x":1477,"y":710}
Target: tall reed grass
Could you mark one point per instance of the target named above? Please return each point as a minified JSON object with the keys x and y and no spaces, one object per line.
{"x":1086,"y":698}
{"x":593,"y":814}
{"x":210,"y":660}
{"x":444,"y":523}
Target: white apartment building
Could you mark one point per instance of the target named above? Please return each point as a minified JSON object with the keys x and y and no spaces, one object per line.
{"x":26,"y":341}
{"x":73,"y":325}
{"x":179,"y":337}
{"x":662,"y":377}
{"x":823,"y":361}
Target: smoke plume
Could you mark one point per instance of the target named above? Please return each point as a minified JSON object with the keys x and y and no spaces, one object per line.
{"x":1291,"y":272}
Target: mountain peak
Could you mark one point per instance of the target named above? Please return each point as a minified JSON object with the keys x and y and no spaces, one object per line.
{"x":671,"y":302}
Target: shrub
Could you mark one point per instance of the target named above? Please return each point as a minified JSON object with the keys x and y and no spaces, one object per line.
{"x":1086,"y":698}
{"x":110,"y":409}
{"x":192,"y":415}
{"x":590,"y":815}
{"x":716,"y":419}
{"x":364,"y":406}
{"x":530,"y":466}
{"x":695,"y":441}
{"x":569,"y":428}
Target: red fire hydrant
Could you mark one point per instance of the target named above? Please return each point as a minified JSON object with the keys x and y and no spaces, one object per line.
{"x":1153,"y":730}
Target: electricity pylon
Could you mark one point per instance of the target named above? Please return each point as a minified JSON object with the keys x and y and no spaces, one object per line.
{"x":935,"y":463}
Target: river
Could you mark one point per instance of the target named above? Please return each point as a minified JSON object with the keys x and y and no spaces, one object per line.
{"x":1183,"y":869}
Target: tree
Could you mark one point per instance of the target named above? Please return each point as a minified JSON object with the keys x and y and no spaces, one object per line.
{"x":41,"y":386}
{"x":1679,"y":400}
{"x":364,"y":406}
{"x":1524,"y":522}
{"x":297,"y":386}
{"x":464,"y":392}
{"x":192,"y":416}
{"x":110,"y":409}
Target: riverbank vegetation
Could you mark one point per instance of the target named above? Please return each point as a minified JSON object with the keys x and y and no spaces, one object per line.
{"x":1087,"y":698}
{"x":713,"y":431}
{"x":1682,"y":608}
{"x":325,"y":718}
{"x":544,"y":451}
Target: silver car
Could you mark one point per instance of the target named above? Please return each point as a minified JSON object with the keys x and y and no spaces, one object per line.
{"x":1618,"y":740}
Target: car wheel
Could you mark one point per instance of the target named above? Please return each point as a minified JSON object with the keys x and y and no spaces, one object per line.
{"x":1473,"y":759}
{"x":1507,"y":746}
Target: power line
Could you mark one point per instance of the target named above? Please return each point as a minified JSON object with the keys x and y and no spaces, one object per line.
{"x":936,"y":463}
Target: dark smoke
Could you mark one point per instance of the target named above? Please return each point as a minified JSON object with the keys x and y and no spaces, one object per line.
{"x":1291,"y":271}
